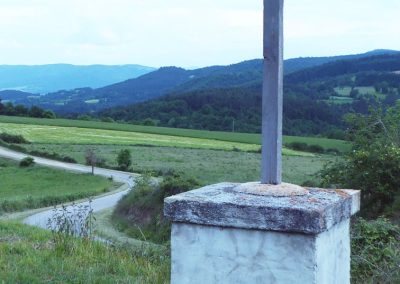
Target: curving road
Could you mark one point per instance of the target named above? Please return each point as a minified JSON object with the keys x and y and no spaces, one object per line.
{"x":98,"y":204}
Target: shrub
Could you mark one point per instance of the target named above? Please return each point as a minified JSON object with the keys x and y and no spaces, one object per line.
{"x":176,"y":183}
{"x":374,"y":163}
{"x":304,"y":147}
{"x":298,"y":146}
{"x":53,"y":156}
{"x":140,"y":212}
{"x":13,"y":139}
{"x":316,"y":149}
{"x":332,"y":151}
{"x":26,"y":162}
{"x":69,"y":160}
{"x":375,"y":252}
{"x":124,"y":160}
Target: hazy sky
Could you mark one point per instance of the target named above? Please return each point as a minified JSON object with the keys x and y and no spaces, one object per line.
{"x":186,"y":33}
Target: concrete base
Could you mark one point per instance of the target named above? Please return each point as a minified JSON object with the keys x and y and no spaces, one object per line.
{"x":221,"y":235}
{"x":205,"y":254}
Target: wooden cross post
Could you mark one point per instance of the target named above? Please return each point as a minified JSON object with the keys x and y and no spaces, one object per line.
{"x":272,"y":93}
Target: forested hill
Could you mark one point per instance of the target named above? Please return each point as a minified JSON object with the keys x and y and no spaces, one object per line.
{"x":297,"y":64}
{"x":377,"y":63}
{"x":315,"y":99}
{"x":237,"y":109}
{"x":168,"y":80}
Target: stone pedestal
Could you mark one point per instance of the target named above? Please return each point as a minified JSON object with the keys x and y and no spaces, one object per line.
{"x":222,"y":235}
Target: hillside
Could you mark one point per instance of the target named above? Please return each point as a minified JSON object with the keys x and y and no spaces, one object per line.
{"x":297,"y":64}
{"x":13,"y":95}
{"x":170,"y":80}
{"x":315,"y":99}
{"x":50,"y":78}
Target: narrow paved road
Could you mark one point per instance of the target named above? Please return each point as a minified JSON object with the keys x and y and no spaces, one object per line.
{"x":101,"y":203}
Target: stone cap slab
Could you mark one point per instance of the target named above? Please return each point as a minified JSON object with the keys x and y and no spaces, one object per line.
{"x":220,"y":205}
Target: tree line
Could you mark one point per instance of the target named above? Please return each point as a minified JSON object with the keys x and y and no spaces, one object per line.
{"x":20,"y":110}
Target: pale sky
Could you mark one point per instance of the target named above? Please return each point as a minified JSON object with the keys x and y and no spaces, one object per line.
{"x":187,"y":33}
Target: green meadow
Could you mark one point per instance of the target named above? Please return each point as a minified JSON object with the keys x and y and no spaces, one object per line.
{"x":35,"y":186}
{"x":246,"y":138}
{"x":43,"y":134}
{"x":208,"y":166}
{"x":29,"y":255}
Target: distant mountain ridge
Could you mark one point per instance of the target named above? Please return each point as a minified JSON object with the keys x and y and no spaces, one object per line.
{"x":53,"y":77}
{"x":315,"y":99}
{"x":174,"y":80}
{"x":297,"y":64}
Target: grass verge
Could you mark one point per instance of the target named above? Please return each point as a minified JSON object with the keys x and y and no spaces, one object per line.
{"x":35,"y":186}
{"x":27,"y":255}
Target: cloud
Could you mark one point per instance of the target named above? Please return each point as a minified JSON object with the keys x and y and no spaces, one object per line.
{"x":186,"y":33}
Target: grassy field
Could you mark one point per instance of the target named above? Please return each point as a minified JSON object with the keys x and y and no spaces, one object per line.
{"x":208,"y":166}
{"x":246,"y":138}
{"x":81,"y":136}
{"x":339,"y":100}
{"x":28,"y":255}
{"x":34,"y":187}
{"x":343,"y":91}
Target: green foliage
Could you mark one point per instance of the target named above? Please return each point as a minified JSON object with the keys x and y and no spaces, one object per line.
{"x":374,"y":164}
{"x":175,"y":183}
{"x":36,"y":187}
{"x":27,"y":162}
{"x":375,"y":252}
{"x":140,"y":212}
{"x":28,"y":255}
{"x":19,"y":124}
{"x":299,"y":146}
{"x":203,"y":164}
{"x":13,"y":139}
{"x":217,"y":110}
{"x":53,"y":156}
{"x":124,"y":160}
{"x":20,"y":110}
{"x":38,"y":153}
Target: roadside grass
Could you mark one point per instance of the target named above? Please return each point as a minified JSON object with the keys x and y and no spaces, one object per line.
{"x":28,"y":255}
{"x":247,"y":138}
{"x":36,"y":187}
{"x":208,"y":166}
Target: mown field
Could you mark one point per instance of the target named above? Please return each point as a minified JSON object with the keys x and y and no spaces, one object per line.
{"x":246,"y":138}
{"x":82,"y":136}
{"x":208,"y":166}
{"x":29,"y":255}
{"x":35,"y":187}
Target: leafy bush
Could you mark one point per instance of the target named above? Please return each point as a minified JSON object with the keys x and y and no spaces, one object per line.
{"x":298,"y":146}
{"x":26,"y":162}
{"x":316,"y":149}
{"x":304,"y":147}
{"x":13,"y":139}
{"x":140,"y":213}
{"x":374,"y":163}
{"x":124,"y":160}
{"x":375,"y":252}
{"x":53,"y":156}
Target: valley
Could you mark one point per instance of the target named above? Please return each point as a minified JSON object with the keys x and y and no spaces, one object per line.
{"x":183,"y":129}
